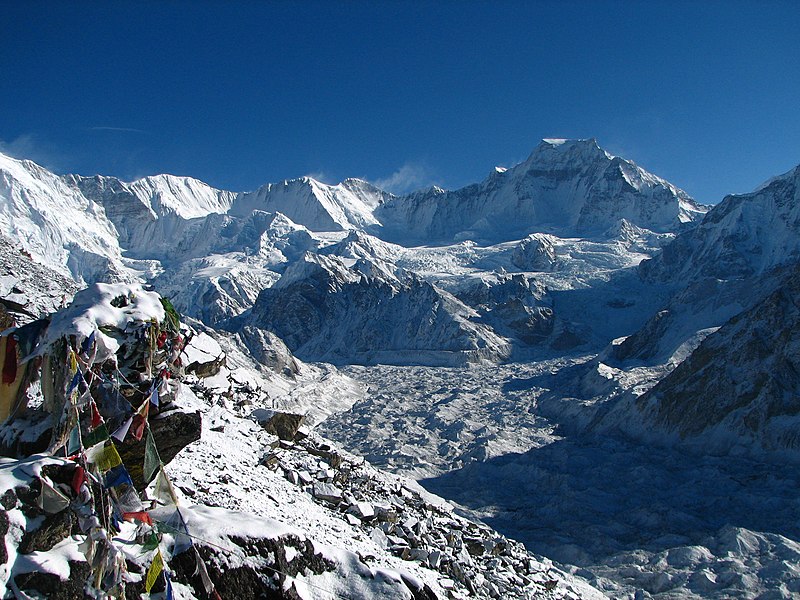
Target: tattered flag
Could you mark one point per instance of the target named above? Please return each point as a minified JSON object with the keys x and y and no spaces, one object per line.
{"x":105,"y":458}
{"x":163,"y":490}
{"x":96,"y":418}
{"x":51,"y":500}
{"x":140,"y":515}
{"x":100,"y":434}
{"x":201,"y":570}
{"x":78,"y":479}
{"x":152,"y":461}
{"x":74,"y":443}
{"x":87,"y":343}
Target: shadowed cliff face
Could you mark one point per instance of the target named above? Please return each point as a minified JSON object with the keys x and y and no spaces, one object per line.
{"x":742,"y":384}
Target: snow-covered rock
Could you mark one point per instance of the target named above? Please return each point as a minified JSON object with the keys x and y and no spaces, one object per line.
{"x":742,"y":236}
{"x":535,"y":253}
{"x":326,"y":310}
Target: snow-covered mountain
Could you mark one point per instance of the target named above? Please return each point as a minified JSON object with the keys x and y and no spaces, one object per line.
{"x":742,"y":236}
{"x":317,"y":206}
{"x":568,"y":187}
{"x":556,"y":345}
{"x":57,"y":224}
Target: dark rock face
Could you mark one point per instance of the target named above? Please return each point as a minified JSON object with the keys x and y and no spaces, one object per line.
{"x":173,"y":431}
{"x":326,"y":311}
{"x":743,"y":380}
{"x":268,"y":349}
{"x":52,"y":587}
{"x":247,"y":583}
{"x":516,"y":306}
{"x":55,"y":529}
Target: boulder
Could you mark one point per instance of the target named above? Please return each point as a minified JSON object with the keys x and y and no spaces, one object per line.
{"x":284,"y":425}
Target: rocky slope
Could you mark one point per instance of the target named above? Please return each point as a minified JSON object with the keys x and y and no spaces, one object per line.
{"x":738,"y":391}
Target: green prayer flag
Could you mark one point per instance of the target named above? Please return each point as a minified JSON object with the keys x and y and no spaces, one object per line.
{"x":151,"y":459}
{"x":151,"y":543}
{"x":100,"y":434}
{"x":74,"y":443}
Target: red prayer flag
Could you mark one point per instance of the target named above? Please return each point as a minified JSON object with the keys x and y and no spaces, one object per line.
{"x":96,"y":418}
{"x":10,"y":364}
{"x":137,"y":427}
{"x":138,"y":516}
{"x":78,"y":479}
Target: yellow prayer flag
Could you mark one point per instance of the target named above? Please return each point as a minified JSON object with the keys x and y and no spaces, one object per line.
{"x":154,"y":571}
{"x":105,"y":458}
{"x":73,"y":362}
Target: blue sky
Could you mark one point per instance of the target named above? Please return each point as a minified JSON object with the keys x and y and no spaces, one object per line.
{"x":404,"y":94}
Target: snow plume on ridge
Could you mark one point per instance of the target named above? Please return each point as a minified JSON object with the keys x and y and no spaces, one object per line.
{"x":408,"y":178}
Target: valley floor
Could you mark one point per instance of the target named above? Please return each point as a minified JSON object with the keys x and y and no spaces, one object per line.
{"x":634,"y":520}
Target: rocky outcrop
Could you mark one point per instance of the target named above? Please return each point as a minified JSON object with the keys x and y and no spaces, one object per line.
{"x":515,"y":306}
{"x":327,"y":311}
{"x":535,"y":253}
{"x":738,"y":391}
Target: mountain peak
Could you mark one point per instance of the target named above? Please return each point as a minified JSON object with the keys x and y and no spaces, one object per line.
{"x":559,"y":151}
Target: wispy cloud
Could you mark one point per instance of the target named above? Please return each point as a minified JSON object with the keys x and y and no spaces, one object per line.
{"x":31,"y":147}
{"x":119,"y":129}
{"x":409,"y":177}
{"x":321,"y":176}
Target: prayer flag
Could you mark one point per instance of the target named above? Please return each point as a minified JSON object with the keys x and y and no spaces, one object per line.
{"x":73,"y":362}
{"x":138,"y":516}
{"x":154,"y":397}
{"x":169,"y":593}
{"x":201,"y":570}
{"x":51,"y":500}
{"x":95,"y":437}
{"x":78,"y":479}
{"x":105,"y":458}
{"x":74,"y":443}
{"x":151,"y":543}
{"x":96,"y":418}
{"x":164,"y":492}
{"x":140,"y":420}
{"x":122,"y":430}
{"x":151,"y":459}
{"x":73,"y":385}
{"x":117,"y":476}
{"x":154,"y":571}
{"x":129,"y":501}
{"x":87,"y":343}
